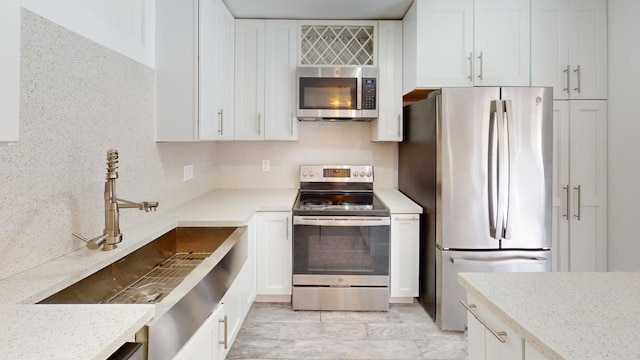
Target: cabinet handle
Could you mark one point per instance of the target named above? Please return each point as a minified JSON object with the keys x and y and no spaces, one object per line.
{"x":221,"y":122}
{"x":399,"y":126}
{"x":291,"y":125}
{"x":565,"y":214}
{"x":259,"y":127}
{"x":286,"y":226}
{"x":481,"y":65}
{"x":226,"y":336}
{"x":498,"y":334}
{"x":568,"y":71}
{"x":579,"y":188}
{"x":470,"y":58}
{"x":577,"y":71}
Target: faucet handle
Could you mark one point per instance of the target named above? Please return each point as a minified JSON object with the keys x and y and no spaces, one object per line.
{"x":94,"y":243}
{"x":149,"y":205}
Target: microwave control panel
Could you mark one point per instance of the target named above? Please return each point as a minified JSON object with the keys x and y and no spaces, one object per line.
{"x":369,"y":93}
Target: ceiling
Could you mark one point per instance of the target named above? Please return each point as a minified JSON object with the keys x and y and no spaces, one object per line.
{"x":319,"y":9}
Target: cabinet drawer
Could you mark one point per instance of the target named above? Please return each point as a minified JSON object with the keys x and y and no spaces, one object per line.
{"x":495,"y":349}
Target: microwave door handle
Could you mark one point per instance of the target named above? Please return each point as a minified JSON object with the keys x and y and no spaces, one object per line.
{"x":359,"y":91}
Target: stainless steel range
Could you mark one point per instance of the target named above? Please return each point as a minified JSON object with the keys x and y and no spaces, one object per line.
{"x":341,"y":237}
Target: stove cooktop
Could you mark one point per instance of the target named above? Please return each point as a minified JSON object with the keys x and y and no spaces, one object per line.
{"x":339,"y":204}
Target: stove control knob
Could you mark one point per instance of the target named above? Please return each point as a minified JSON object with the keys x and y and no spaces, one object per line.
{"x":362,"y":173}
{"x":355,"y":173}
{"x":369,"y":174}
{"x":305,"y":173}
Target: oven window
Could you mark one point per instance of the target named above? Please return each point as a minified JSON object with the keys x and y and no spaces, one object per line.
{"x":328,"y":93}
{"x":341,"y":250}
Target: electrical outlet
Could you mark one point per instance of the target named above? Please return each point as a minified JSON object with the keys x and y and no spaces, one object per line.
{"x":188,"y":172}
{"x":266,"y":165}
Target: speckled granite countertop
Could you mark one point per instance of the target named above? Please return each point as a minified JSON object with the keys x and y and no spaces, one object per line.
{"x":581,"y":316}
{"x":40,"y":331}
{"x":95,"y":331}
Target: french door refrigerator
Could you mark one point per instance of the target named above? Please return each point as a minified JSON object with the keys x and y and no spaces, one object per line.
{"x":479,"y":161}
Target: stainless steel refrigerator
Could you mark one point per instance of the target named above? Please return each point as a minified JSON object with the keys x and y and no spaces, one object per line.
{"x":479,"y":161}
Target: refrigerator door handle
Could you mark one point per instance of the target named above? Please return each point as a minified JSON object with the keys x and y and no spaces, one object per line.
{"x":492,"y":170}
{"x":533,"y":260}
{"x":502,"y":166}
{"x":509,"y":145}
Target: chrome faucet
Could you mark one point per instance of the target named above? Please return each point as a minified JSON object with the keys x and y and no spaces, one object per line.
{"x":112,"y":205}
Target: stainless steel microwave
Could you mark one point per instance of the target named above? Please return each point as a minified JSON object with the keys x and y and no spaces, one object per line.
{"x":337,"y":93}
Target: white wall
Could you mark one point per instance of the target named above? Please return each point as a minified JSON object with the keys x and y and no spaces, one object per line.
{"x":79,"y":99}
{"x":239,"y":164}
{"x":624,"y":135}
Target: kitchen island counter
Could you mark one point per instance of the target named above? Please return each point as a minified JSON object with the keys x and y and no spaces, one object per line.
{"x":581,"y":316}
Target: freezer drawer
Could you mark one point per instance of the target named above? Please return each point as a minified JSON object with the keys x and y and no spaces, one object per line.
{"x":450,"y":315}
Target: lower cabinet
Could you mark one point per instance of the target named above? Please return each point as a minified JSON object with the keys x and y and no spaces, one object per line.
{"x":208,"y":343}
{"x":405,"y":255}
{"x":273,"y":250}
{"x":493,"y":341}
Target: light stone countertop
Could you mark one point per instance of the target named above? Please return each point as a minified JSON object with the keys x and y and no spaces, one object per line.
{"x":62,"y":330}
{"x":581,"y":316}
{"x":40,"y":331}
{"x":397,"y":202}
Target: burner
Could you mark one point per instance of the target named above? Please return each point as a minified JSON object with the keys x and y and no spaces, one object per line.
{"x":316,"y":203}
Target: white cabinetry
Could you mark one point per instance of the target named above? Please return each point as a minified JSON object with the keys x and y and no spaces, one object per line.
{"x":194,"y":89}
{"x":266,"y":59}
{"x":10,"y":74}
{"x":388,"y":125}
{"x":483,"y":342}
{"x":580,"y":185}
{"x":569,"y":47}
{"x":466,"y":43}
{"x":273,"y":249}
{"x":405,"y":255}
{"x":247,"y":276}
{"x":232,"y":304}
{"x":208,"y":341}
{"x":531,"y":353}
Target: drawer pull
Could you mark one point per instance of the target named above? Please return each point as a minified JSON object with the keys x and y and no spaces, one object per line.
{"x":498,"y":334}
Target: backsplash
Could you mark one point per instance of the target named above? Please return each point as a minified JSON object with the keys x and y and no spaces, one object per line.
{"x":239,"y":164}
{"x":79,"y":99}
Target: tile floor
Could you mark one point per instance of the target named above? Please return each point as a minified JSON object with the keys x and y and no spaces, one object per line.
{"x":275,"y":331}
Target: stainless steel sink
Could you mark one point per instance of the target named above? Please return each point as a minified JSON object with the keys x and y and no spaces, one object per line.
{"x":149,"y":274}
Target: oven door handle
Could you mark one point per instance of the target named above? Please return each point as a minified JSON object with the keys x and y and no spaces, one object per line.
{"x":342,"y":220}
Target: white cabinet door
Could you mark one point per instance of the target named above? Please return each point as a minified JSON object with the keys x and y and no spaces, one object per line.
{"x":588,"y":49}
{"x":501,"y":42}
{"x":442,"y":27}
{"x":273,"y":250}
{"x":549,"y":46}
{"x":388,"y":126}
{"x":224,"y":72}
{"x":194,"y":91}
{"x":10,"y":74}
{"x":580,"y":185}
{"x":569,"y":47}
{"x":588,"y":185}
{"x":494,"y":349}
{"x":205,"y":342}
{"x":560,"y":210}
{"x":531,"y":353}
{"x":405,"y":255}
{"x":249,"y":104}
{"x":234,"y":318}
{"x":281,"y":60}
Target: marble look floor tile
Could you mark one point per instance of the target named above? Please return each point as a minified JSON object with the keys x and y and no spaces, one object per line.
{"x":371,"y":349}
{"x":270,"y":312}
{"x":443,"y":348}
{"x":401,"y":331}
{"x":277,"y":349}
{"x":323,"y":331}
{"x":260,"y":330}
{"x":361,"y":317}
{"x":413,"y":313}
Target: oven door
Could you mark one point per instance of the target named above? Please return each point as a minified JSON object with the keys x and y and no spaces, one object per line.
{"x":344,"y":251}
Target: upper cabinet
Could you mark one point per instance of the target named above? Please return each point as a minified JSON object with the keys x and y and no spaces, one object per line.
{"x":265,"y":89}
{"x":569,"y":47}
{"x":194,"y":70}
{"x":388,"y":125}
{"x":466,"y":43}
{"x":10,"y":74}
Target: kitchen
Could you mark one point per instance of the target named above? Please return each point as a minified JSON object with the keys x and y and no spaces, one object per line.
{"x":53,"y":181}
